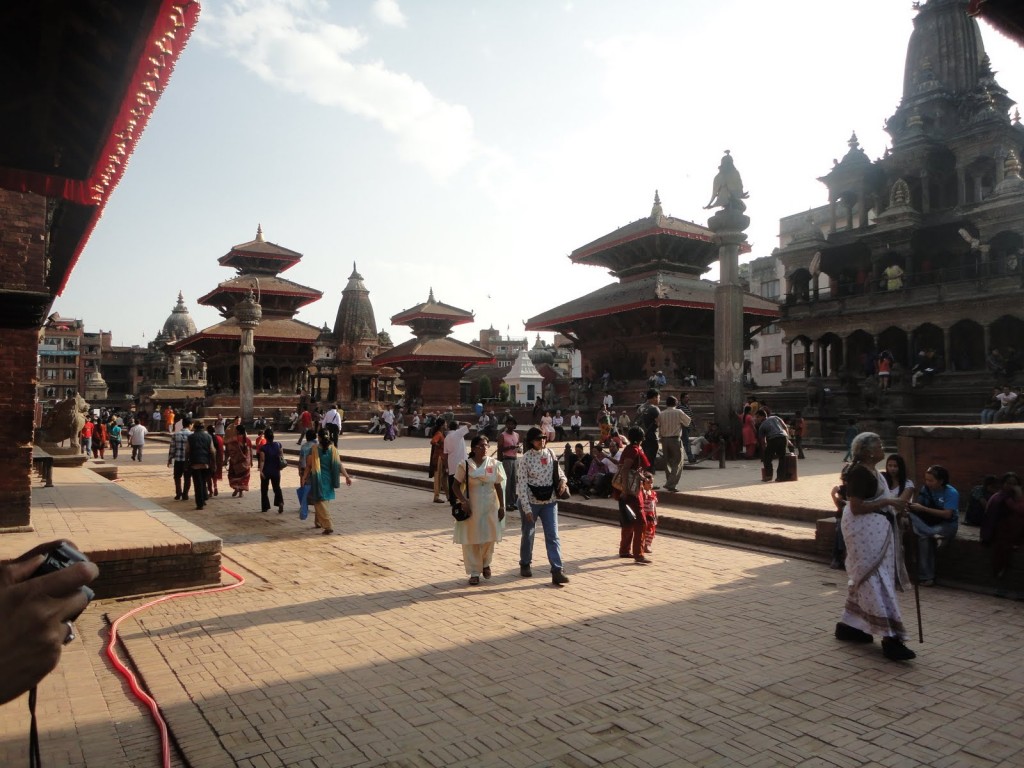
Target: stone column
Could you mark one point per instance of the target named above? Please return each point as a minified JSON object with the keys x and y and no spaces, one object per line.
{"x":789,"y":359}
{"x":728,"y":329}
{"x":249,"y":314}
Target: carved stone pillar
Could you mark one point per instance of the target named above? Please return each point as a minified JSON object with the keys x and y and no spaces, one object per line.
{"x":728,"y":226}
{"x":249,"y":314}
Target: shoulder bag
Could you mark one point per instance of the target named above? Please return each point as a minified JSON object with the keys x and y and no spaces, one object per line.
{"x":627,"y":481}
{"x":459,"y":512}
{"x":544,"y":492}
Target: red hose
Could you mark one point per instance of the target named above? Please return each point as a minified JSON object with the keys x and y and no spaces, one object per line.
{"x":133,"y":683}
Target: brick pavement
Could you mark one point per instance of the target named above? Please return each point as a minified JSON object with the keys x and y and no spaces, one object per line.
{"x":368,"y":648}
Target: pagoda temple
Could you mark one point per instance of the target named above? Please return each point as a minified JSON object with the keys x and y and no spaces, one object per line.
{"x":432,"y":363}
{"x":284,"y":345}
{"x":659,"y":316}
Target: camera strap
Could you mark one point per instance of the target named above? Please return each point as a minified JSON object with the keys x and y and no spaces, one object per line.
{"x":34,"y":760}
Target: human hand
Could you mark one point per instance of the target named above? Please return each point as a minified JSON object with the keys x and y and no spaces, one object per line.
{"x":501,"y":513}
{"x":348,"y":480}
{"x":35,"y":611}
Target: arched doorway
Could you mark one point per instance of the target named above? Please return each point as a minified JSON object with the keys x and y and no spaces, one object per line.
{"x":860,"y":354}
{"x":966,"y":346}
{"x":895,"y":341}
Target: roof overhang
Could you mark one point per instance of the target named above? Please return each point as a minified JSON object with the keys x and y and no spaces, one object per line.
{"x":81,"y":80}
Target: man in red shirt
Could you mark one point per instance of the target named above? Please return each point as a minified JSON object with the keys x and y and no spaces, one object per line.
{"x":305,"y":424}
{"x":86,"y":435}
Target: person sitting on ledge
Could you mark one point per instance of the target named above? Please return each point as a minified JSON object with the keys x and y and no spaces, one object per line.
{"x":935,"y":517}
{"x":598,"y":479}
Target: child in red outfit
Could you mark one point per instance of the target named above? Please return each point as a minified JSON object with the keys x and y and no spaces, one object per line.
{"x":649,"y":506}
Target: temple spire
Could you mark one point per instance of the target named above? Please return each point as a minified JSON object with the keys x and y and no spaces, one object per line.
{"x":656,"y":210}
{"x":430,"y":298}
{"x":259,"y":233}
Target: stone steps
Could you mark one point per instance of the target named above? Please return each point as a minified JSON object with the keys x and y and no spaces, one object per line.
{"x":804,"y":531}
{"x":747,"y":523}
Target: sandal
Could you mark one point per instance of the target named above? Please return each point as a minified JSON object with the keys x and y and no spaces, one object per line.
{"x":474,"y":580}
{"x":487,"y":572}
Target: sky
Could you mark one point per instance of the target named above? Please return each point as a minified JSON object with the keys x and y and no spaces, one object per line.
{"x":470,"y":146}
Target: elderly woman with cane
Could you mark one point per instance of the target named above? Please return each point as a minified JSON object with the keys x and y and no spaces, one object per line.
{"x":874,"y":558}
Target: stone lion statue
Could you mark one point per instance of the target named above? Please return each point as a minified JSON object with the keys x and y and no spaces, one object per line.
{"x":65,"y":421}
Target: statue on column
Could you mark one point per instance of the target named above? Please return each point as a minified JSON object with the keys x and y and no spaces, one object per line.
{"x":727,"y":188}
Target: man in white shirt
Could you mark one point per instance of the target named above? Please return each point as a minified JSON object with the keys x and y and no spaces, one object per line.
{"x":332,"y":423}
{"x":671,"y":422}
{"x":1006,"y":399}
{"x":575,"y":424}
{"x":388,"y":418}
{"x":137,"y":440}
{"x":454,"y":453}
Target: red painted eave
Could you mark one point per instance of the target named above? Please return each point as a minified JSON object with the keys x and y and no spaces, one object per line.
{"x":651,"y":303}
{"x":172,"y":28}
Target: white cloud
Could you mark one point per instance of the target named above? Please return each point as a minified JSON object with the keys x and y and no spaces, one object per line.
{"x":292,"y":46}
{"x":388,"y":12}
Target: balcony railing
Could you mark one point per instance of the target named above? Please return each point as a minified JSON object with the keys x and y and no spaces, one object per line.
{"x":983,"y":277}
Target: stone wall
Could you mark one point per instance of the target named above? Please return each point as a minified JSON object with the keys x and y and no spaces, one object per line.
{"x":968,"y":452}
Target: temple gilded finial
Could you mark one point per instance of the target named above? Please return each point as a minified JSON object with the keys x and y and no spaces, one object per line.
{"x":259,"y":234}
{"x":853,"y":143}
{"x":430,"y":298}
{"x":656,"y":210}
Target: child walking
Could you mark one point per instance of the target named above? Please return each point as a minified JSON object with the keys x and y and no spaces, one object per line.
{"x":649,"y":506}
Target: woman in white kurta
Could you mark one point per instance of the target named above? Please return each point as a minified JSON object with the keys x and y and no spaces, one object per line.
{"x":484,"y":496}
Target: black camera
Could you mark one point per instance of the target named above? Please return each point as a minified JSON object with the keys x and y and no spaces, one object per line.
{"x":459,"y":513}
{"x":61,"y":557}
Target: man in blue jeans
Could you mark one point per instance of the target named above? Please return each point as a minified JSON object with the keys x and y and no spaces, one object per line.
{"x":539,"y":480}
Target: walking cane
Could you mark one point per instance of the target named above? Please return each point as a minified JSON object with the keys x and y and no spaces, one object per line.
{"x":912,"y":548}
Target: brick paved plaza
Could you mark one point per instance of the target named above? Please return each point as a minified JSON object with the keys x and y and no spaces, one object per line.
{"x":369,"y":649}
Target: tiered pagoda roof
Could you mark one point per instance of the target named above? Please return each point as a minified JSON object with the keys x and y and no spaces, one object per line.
{"x":431,"y":323}
{"x":653,"y":243}
{"x":658,"y":260}
{"x":258,"y":263}
{"x":663,"y":289}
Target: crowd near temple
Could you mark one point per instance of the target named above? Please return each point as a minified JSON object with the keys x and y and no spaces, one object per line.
{"x":890,"y":314}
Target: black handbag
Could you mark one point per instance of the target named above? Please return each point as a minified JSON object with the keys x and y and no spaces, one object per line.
{"x":544,"y":492}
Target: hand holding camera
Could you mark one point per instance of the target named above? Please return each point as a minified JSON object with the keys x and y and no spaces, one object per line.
{"x":41,"y":593}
